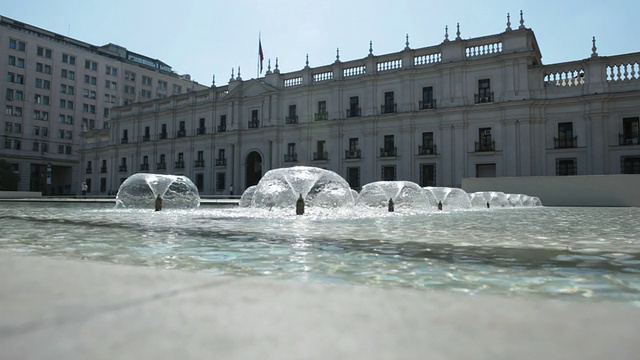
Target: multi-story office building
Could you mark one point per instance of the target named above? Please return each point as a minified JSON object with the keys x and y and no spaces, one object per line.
{"x":482,"y":107}
{"x":54,"y":88}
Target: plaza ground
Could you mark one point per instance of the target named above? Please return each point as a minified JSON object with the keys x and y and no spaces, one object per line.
{"x":71,"y":309}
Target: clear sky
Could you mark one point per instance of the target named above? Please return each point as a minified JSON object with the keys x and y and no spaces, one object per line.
{"x":206,"y":37}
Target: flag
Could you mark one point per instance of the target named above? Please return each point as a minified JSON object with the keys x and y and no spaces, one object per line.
{"x":260,"y":54}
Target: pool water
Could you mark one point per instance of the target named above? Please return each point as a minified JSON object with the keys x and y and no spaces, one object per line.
{"x":587,"y":254}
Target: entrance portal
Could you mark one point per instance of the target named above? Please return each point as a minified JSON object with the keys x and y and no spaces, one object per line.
{"x":254,"y":168}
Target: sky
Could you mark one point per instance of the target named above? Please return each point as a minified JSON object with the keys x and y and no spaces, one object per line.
{"x":210,"y":37}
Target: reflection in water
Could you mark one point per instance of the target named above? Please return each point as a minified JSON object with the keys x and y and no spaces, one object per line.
{"x":585,"y":253}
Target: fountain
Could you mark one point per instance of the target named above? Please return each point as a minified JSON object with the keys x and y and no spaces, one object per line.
{"x":141,"y":191}
{"x":515,"y":248}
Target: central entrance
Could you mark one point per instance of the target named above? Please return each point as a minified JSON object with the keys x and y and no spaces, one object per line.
{"x":253,"y":169}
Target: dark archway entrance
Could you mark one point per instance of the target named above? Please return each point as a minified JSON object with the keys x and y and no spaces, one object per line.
{"x":254,"y":169}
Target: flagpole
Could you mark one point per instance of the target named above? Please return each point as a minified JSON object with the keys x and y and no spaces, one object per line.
{"x":258,"y":64}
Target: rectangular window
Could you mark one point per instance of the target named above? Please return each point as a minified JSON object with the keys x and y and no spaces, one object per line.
{"x":427,"y":175}
{"x":427,"y":147}
{"x":630,"y":164}
{"x":146,"y":80}
{"x":485,"y":170}
{"x":565,"y":167}
{"x":353,"y":177}
{"x":427,"y":98}
{"x":485,"y":142}
{"x":162,"y":85}
{"x":389,"y":103}
{"x":220,"y":181}
{"x":354,"y":107}
{"x":389,"y":148}
{"x":484,"y":91}
{"x":388,"y":173}
{"x":565,"y":137}
{"x":630,"y":134}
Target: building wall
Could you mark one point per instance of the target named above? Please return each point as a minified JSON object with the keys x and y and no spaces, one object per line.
{"x":92,"y":98}
{"x":526,"y":103}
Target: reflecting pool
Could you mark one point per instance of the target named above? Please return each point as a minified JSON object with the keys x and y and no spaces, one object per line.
{"x":587,"y":254}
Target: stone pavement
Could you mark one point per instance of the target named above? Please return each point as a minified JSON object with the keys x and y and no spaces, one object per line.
{"x":66,"y":309}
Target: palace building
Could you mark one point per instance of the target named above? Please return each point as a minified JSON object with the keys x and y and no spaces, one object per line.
{"x":55,"y":87}
{"x":464,"y":108}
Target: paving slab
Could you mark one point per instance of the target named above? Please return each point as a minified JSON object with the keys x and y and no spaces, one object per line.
{"x":68,"y":309}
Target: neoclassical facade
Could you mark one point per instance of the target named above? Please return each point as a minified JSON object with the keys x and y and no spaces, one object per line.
{"x":482,"y":107}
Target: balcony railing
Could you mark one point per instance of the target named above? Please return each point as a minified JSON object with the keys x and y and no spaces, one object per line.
{"x":181,"y":133}
{"x":201,"y":130}
{"x":124,"y":140}
{"x":103,"y":170}
{"x":424,"y":105}
{"x":427,"y":150}
{"x":320,"y":116}
{"x":565,"y":143}
{"x":290,"y":157}
{"x":144,"y":167}
{"x":291,"y":119}
{"x":483,"y":98}
{"x":388,"y":109}
{"x":198,"y":163}
{"x":253,"y":124}
{"x":221,"y":162}
{"x":179,"y":165}
{"x":628,"y":139}
{"x":161,"y":166}
{"x":321,"y":155}
{"x":222,"y":128}
{"x":353,"y":112}
{"x":87,"y":171}
{"x":388,"y":152}
{"x":485,"y":145}
{"x":146,"y":138}
{"x":352,"y":154}
{"x":122,"y":168}
{"x":162,"y":136}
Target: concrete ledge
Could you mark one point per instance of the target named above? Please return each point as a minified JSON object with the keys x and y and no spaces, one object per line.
{"x":20,"y":194}
{"x":61,"y":309}
{"x":579,"y":190}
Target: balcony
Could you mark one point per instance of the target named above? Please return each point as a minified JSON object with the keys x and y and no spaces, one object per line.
{"x":161,"y":166}
{"x":222,"y":128}
{"x":388,"y":152}
{"x":485,"y":145}
{"x":424,"y":105}
{"x":389,"y":109}
{"x":146,"y":138}
{"x":253,"y":124}
{"x":565,"y":143}
{"x":103,"y":170}
{"x":628,"y":139}
{"x":352,"y":154}
{"x":221,"y":162}
{"x":162,"y":135}
{"x":321,"y":155}
{"x":87,"y":171}
{"x":291,"y":120}
{"x":198,"y":163}
{"x":290,"y":157}
{"x":321,"y":116}
{"x":427,"y":150}
{"x":486,"y":97}
{"x":353,"y":112}
{"x":201,"y":131}
{"x":179,"y":165}
{"x":144,"y":167}
{"x":181,"y":133}
{"x":124,"y":140}
{"x":122,"y":168}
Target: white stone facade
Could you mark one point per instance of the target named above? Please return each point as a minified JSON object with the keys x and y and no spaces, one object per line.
{"x":55,"y":87}
{"x":483,"y":107}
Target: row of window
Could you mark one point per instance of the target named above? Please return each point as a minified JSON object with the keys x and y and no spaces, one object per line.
{"x":10,"y":127}
{"x":41,"y":147}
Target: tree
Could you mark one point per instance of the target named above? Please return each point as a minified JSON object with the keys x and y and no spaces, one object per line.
{"x":8,"y":179}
